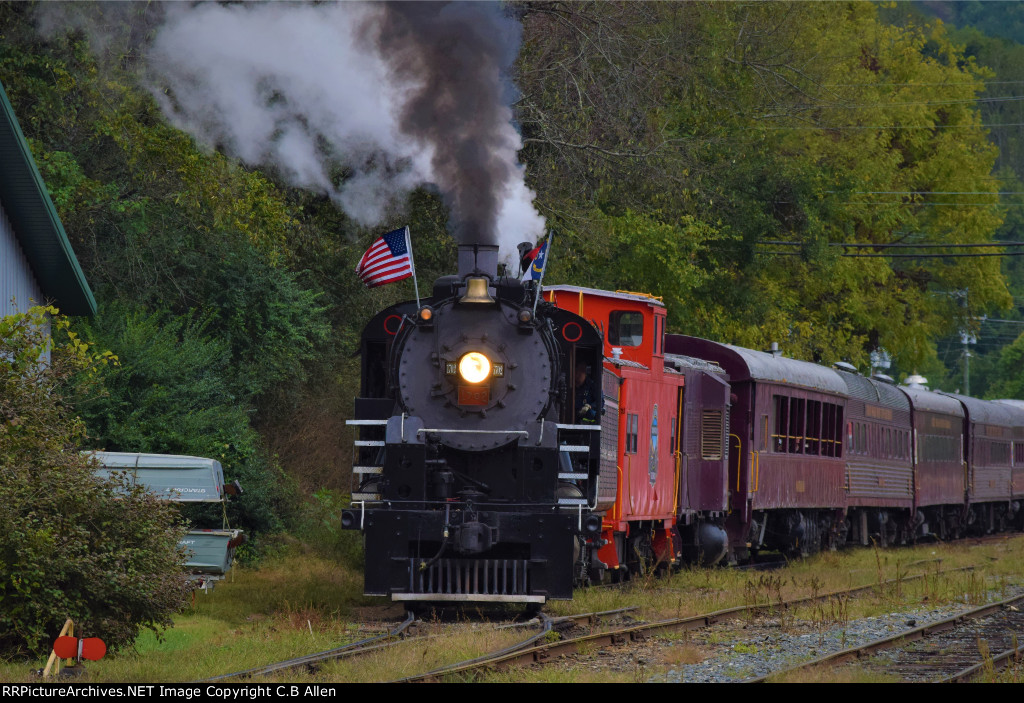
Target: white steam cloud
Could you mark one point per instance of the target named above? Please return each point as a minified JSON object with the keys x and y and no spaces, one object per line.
{"x":302,"y":88}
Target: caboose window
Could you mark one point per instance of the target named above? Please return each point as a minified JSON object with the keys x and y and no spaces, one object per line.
{"x":632,"y":433}
{"x":839,"y":431}
{"x":625,"y":329}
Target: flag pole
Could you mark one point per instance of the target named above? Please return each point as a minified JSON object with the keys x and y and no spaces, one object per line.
{"x":408,"y":245}
{"x":540,"y":281}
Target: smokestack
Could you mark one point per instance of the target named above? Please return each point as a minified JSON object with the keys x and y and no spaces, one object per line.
{"x":478,"y":260}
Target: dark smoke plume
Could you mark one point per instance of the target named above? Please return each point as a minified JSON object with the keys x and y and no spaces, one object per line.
{"x":454,"y":57}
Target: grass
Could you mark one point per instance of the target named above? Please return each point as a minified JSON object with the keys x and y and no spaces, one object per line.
{"x":293,"y":605}
{"x":694,"y":591}
{"x":825,"y":674}
{"x":306,"y":600}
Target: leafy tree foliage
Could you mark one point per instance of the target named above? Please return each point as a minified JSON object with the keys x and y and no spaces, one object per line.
{"x":802,"y":123}
{"x":1010,"y":367}
{"x":174,"y":393}
{"x":669,"y":145}
{"x":102,"y":553}
{"x":186,"y":251}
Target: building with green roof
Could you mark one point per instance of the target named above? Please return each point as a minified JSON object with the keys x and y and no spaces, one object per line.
{"x":37,"y":264}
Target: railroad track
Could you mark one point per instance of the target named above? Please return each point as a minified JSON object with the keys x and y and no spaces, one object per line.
{"x":399,"y":634}
{"x":311,"y":661}
{"x":959,"y":648}
{"x":544,"y":653}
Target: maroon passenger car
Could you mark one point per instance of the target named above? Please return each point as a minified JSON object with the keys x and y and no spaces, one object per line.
{"x":879,"y":462}
{"x":1018,"y":447}
{"x":989,"y":453}
{"x":940,"y":477}
{"x":786,"y":468}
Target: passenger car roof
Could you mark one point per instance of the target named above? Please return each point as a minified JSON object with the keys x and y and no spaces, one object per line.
{"x":746,"y":364}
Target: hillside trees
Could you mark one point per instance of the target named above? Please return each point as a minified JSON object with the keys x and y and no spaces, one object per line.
{"x":767,"y":122}
{"x":186,"y":254}
{"x":668,"y":144}
{"x":103,"y":553}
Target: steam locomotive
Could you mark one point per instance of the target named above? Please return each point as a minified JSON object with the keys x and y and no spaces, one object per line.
{"x":477,"y":480}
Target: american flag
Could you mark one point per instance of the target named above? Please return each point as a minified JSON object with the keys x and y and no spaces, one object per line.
{"x":387,"y":260}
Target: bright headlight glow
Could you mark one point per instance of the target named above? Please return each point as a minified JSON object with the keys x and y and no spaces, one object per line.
{"x":474,"y":367}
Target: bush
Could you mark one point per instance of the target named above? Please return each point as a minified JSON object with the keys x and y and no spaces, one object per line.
{"x":173,"y":393}
{"x":71,"y":546}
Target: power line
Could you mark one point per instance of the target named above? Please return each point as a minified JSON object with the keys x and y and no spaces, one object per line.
{"x":902,"y":256}
{"x":871,"y":85}
{"x":996,"y":319}
{"x":897,"y":126}
{"x":907,"y":202}
{"x":956,"y":101}
{"x":932,"y":245}
{"x":930,"y":192}
{"x":922,"y":202}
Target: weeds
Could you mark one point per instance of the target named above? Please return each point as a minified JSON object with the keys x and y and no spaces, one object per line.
{"x":305,"y":600}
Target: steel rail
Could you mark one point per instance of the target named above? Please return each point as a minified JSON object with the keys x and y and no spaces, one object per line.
{"x":998,"y":662}
{"x":542,"y":653}
{"x":551,"y":623}
{"x":546,"y":626}
{"x":361,"y":647}
{"x":899,"y":639}
{"x":389,"y":639}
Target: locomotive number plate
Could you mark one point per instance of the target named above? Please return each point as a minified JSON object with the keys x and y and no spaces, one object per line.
{"x":473,"y":395}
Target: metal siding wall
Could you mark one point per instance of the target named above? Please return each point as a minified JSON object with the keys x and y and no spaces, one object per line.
{"x":16,"y":279}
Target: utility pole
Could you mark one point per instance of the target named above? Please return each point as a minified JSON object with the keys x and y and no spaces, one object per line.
{"x":967,"y":338}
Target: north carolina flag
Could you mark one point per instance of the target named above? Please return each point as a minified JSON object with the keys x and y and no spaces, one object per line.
{"x":387,"y":260}
{"x":537,"y":266}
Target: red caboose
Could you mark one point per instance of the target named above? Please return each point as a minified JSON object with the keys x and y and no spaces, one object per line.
{"x":664,"y":452}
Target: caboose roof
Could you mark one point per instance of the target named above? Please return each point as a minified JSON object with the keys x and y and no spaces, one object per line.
{"x":747,"y":364}
{"x":619,"y":294}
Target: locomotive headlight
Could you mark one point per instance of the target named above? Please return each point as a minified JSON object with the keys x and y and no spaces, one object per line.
{"x":474,"y":367}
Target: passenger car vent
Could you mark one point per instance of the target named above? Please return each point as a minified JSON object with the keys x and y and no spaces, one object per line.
{"x":711,"y":435}
{"x":859,"y":387}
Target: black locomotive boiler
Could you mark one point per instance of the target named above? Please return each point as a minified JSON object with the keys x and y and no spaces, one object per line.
{"x":476,"y":481}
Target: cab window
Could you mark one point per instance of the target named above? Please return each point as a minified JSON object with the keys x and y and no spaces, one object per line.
{"x":625,"y":329}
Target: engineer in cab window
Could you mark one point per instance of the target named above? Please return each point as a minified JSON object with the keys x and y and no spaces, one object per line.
{"x":588,"y":403}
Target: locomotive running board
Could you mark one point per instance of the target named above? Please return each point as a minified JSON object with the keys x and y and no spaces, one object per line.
{"x":467,"y":597}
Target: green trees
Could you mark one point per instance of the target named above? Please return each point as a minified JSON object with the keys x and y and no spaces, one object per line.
{"x":801,"y":123}
{"x":71,"y":546}
{"x":669,"y":143}
{"x":187,"y":253}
